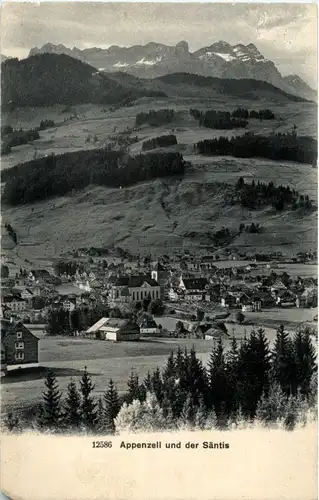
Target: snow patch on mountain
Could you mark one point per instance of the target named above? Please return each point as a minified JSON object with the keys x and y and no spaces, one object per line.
{"x":119,"y":64}
{"x":147,"y":62}
{"x":226,"y":57}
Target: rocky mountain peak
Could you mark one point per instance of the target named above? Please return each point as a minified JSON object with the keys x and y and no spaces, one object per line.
{"x":181,"y":48}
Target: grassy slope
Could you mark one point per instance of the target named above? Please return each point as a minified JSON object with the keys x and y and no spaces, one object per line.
{"x":156,"y":215}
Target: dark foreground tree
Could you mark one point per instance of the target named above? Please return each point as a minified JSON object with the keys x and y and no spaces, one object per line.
{"x":88,"y":406}
{"x":111,"y":407}
{"x":51,"y":415}
{"x":72,"y":406}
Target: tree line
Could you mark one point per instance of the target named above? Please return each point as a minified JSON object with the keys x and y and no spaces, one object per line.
{"x":248,"y":381}
{"x":220,"y":120}
{"x":159,"y":142}
{"x":256,"y":195}
{"x":57,"y":175}
{"x":13,"y":138}
{"x":155,"y":118}
{"x":286,"y":147}
{"x":11,"y":232}
{"x":261,"y":114}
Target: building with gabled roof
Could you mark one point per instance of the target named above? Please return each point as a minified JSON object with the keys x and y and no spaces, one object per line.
{"x":19,"y":345}
{"x":116,"y":329}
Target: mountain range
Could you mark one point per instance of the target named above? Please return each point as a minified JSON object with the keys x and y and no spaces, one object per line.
{"x":49,"y":79}
{"x":152,"y":60}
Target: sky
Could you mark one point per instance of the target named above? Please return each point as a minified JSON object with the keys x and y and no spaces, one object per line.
{"x":285,"y":33}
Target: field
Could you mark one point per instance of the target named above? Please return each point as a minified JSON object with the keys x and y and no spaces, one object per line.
{"x":67,"y":357}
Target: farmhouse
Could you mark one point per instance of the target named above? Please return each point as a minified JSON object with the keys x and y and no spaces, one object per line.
{"x":149,"y":327}
{"x":115,"y":329}
{"x":19,"y":345}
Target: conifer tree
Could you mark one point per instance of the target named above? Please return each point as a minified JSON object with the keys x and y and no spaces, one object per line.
{"x":50,"y":415}
{"x":157,"y":384}
{"x":147,"y":383}
{"x":187,"y":416}
{"x":253,"y":371}
{"x":200,"y":415}
{"x":133,"y":388}
{"x":232,"y":403}
{"x":169,"y":370}
{"x":72,"y":406}
{"x":217,"y":377}
{"x":283,"y":369}
{"x":196,"y":380}
{"x":88,"y":406}
{"x":305,"y":360}
{"x":111,"y":407}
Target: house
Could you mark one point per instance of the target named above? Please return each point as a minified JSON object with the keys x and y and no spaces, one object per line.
{"x":19,"y":345}
{"x":173,"y":295}
{"x":194,"y":289}
{"x":69,"y":304}
{"x":115,"y":329}
{"x":278,"y":286}
{"x":216,"y":331}
{"x":26,"y":294}
{"x":139,"y":287}
{"x":308,"y":298}
{"x":39,"y":274}
{"x":228,"y":300}
{"x":286,"y":298}
{"x":15,"y":303}
{"x":149,"y":327}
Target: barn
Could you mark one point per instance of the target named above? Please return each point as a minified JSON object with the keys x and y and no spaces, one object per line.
{"x":116,"y":329}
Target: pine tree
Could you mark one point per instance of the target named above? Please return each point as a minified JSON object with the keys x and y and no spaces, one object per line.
{"x":112,"y":407}
{"x":232,"y":403}
{"x":50,"y":416}
{"x":187,"y":417}
{"x":147,"y":383}
{"x":217,"y":377}
{"x":88,"y":406}
{"x":253,"y":371}
{"x":72,"y":407}
{"x":133,"y":388}
{"x":157,"y":385}
{"x":169,"y":370}
{"x":195,"y":378}
{"x":200,"y":415}
{"x":305,"y":360}
{"x":283,"y":370}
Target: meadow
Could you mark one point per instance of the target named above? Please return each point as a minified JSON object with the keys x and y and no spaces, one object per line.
{"x":68,"y":356}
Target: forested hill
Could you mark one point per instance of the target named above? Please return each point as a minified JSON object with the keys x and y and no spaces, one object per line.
{"x":247,"y":88}
{"x":48,"y":79}
{"x":57,"y":175}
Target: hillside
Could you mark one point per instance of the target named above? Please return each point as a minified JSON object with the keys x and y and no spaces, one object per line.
{"x":244,"y":88}
{"x":166,"y":215}
{"x":48,"y":79}
{"x":220,"y":59}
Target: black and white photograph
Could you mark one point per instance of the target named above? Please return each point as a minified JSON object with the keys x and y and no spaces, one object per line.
{"x":158,"y":221}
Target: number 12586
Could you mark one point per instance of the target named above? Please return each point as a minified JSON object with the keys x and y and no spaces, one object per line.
{"x":101,"y":444}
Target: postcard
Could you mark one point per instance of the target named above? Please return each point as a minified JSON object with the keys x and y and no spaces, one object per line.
{"x":159,"y":278}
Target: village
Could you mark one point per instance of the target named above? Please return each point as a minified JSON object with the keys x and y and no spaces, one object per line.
{"x":110,"y":295}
